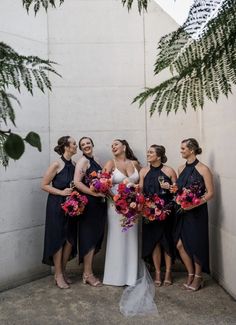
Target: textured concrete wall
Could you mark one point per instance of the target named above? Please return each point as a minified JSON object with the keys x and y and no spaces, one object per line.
{"x":22,"y":202}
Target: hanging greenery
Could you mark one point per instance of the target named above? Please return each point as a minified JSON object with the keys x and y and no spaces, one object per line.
{"x":201,"y":57}
{"x":37,"y":3}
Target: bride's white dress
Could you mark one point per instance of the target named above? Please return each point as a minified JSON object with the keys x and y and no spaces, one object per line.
{"x":121,"y":262}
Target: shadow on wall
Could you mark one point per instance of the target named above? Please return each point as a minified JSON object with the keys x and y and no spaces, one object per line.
{"x":215,"y":217}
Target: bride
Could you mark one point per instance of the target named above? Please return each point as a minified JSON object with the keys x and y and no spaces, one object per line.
{"x":121,"y":263}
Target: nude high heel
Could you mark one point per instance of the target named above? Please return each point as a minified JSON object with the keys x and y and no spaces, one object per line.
{"x":200,"y":285}
{"x":189,"y":281}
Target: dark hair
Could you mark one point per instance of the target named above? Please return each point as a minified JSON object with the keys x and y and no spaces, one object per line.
{"x":83,"y":139}
{"x":62,"y":142}
{"x":192,"y":144}
{"x":128,"y":151}
{"x":160,"y":152}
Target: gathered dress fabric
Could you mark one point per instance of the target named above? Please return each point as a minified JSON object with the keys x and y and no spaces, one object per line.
{"x":92,"y":221}
{"x":155,"y":232}
{"x":59,"y":227}
{"x":192,"y":225}
{"x":121,"y":262}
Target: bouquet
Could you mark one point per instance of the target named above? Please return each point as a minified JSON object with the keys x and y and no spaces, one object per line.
{"x":74,"y":204}
{"x":128,"y":202}
{"x":100,"y":182}
{"x":154,"y":208}
{"x":191,"y":196}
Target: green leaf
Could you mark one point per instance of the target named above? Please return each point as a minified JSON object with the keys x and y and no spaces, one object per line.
{"x":14,"y":146}
{"x":34,"y":140}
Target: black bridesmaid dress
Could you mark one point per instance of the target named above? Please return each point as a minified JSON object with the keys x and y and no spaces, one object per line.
{"x":157,"y":231}
{"x":192,"y":226}
{"x":92,"y":221}
{"x":59,"y":228}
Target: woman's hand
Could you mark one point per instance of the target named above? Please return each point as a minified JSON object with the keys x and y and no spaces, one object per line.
{"x":67,"y":191}
{"x":173,"y":188}
{"x":97,"y":194}
{"x":165,"y":185}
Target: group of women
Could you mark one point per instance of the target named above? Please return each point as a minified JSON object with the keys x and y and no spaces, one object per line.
{"x":186,"y":230}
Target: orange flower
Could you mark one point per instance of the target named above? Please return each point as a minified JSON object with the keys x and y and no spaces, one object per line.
{"x":93,"y":174}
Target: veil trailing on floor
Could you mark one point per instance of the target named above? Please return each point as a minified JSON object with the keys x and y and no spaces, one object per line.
{"x":138,"y":299}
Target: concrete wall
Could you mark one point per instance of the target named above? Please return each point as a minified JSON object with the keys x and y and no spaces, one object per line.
{"x":22,"y":202}
{"x":106,"y":57}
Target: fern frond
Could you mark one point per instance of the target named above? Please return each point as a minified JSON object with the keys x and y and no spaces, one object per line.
{"x":38,"y":3}
{"x":205,"y":68}
{"x":142,"y":4}
{"x":17,"y":70}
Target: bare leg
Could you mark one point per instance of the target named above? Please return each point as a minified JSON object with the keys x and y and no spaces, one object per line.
{"x":156,"y":256}
{"x":88,"y":260}
{"x":57,"y":259}
{"x":65,"y":257}
{"x":187,"y":262}
{"x":168,"y":277}
{"x":197,"y":281}
{"x":88,"y":276}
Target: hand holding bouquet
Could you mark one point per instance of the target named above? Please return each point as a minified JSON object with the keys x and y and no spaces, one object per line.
{"x":190,"y":197}
{"x":100,"y":182}
{"x":154,"y":208}
{"x":74,"y":204}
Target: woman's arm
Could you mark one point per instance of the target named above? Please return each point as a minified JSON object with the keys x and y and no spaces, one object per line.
{"x":142,"y":174}
{"x":208,"y":179}
{"x":80,"y":170}
{"x":47,"y":179}
{"x":109,"y":166}
{"x":172,"y":175}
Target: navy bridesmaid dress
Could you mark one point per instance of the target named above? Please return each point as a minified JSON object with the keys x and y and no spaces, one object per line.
{"x":157,"y":231}
{"x":59,"y":228}
{"x":92,"y":221}
{"x":192,"y":226}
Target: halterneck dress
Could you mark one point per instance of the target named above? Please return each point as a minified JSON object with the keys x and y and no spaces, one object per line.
{"x":93,"y":220}
{"x":157,"y":232}
{"x":59,"y":227}
{"x":192,"y":226}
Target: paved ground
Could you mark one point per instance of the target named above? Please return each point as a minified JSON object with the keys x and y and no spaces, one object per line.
{"x":42,"y":303}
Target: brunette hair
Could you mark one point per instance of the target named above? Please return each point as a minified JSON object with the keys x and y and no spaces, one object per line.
{"x":160,"y":152}
{"x":128,"y":151}
{"x":192,"y":144}
{"x":62,"y":142}
{"x":83,"y":139}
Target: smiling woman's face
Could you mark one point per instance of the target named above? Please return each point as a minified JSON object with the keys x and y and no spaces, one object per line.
{"x":117,"y":148}
{"x":86,"y":146}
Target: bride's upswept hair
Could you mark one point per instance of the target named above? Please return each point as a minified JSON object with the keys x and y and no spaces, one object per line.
{"x":128,"y":151}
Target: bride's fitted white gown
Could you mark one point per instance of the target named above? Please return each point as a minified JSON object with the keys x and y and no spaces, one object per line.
{"x":121,"y":263}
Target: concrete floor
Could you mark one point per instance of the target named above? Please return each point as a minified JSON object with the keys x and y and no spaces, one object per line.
{"x":42,"y":303}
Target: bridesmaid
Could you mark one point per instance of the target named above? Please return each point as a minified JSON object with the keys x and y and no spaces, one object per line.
{"x":157,"y":235}
{"x":60,"y":231}
{"x":191,"y":233}
{"x":121,"y":262}
{"x":92,"y":222}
